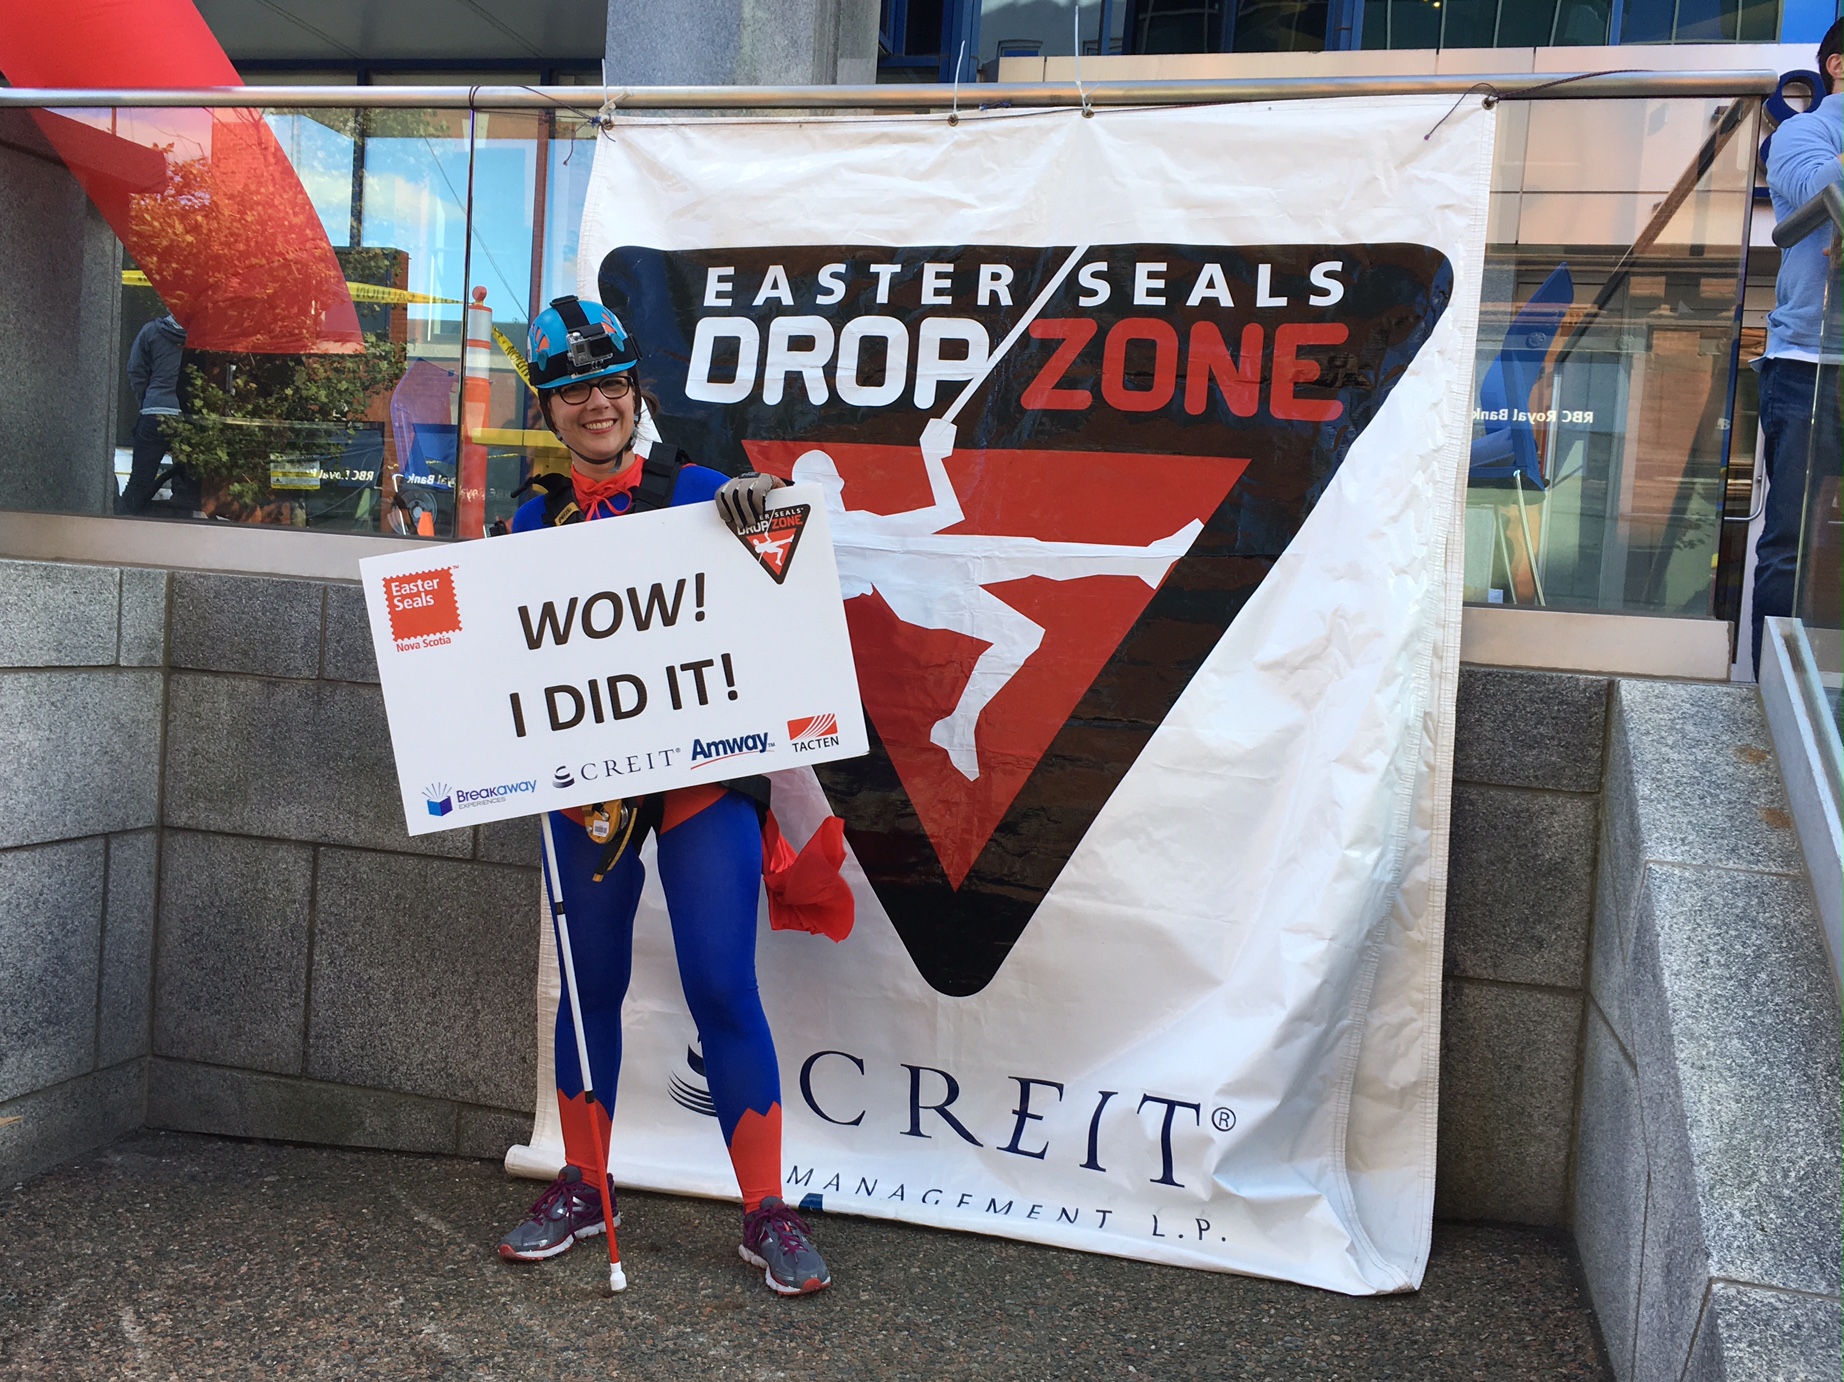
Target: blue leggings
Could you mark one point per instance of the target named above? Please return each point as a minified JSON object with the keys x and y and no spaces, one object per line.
{"x":711,"y":868}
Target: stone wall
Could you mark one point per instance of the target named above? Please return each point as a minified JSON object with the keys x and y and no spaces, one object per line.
{"x":741,"y":42}
{"x":82,"y":702}
{"x":1707,"y":1192}
{"x":60,"y":296}
{"x":321,"y":976}
{"x":1528,"y":749}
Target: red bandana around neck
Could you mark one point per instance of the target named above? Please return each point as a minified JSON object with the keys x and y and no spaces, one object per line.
{"x":594,"y":494}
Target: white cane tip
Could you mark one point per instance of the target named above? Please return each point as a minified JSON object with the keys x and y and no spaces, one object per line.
{"x":617,"y":1279}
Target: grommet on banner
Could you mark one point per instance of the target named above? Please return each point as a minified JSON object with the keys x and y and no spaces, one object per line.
{"x":604,"y":119}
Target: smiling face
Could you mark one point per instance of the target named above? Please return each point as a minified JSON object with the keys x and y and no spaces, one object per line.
{"x":598,"y":430}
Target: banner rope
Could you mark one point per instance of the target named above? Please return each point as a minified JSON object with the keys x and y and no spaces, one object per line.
{"x":1493,"y":95}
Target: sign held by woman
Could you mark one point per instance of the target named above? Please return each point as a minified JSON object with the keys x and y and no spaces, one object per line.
{"x":522,"y":672}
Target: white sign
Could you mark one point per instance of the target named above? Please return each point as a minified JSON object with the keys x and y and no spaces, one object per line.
{"x":612,"y":659}
{"x":1149,"y":855}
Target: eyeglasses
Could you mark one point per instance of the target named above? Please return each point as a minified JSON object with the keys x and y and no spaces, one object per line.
{"x":612,"y":386}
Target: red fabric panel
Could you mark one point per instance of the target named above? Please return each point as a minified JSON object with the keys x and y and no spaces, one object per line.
{"x":128,"y":43}
{"x":205,"y":200}
{"x":806,"y":891}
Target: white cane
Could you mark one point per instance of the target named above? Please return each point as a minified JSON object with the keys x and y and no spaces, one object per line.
{"x":553,"y":883}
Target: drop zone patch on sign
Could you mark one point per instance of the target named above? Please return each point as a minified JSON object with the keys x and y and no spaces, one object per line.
{"x":610,"y":659}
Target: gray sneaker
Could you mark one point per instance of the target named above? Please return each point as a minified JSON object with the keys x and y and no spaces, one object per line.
{"x":569,"y":1210}
{"x":777,"y":1240}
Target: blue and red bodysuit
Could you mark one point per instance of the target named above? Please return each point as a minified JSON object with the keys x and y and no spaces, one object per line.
{"x":716,"y":846}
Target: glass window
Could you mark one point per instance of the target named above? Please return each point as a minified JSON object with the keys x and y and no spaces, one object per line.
{"x":1490,"y":23}
{"x":1581,"y":23}
{"x":358,"y":290}
{"x":1700,"y":21}
{"x":1607,"y":343}
{"x":1175,"y":26}
{"x":1527,"y":25}
{"x":1468,"y":23}
{"x":1281,"y":26}
{"x":325,"y":378}
{"x":1647,"y":21}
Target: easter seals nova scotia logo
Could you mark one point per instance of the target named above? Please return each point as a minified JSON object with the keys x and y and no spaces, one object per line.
{"x":422,"y":608}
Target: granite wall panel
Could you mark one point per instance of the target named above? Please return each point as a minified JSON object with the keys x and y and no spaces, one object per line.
{"x":425,"y":972}
{"x":58,"y":614}
{"x":1508,"y":1081}
{"x":51,"y":904}
{"x":82,"y":750}
{"x":245,"y":1103}
{"x":1713,"y":1008}
{"x":255,"y":624}
{"x":126,"y":992}
{"x":230,"y":972}
{"x":47,"y":1126}
{"x":292,"y":760}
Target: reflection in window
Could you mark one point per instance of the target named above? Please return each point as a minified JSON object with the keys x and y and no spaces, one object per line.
{"x":1498,"y":23}
{"x":1209,"y":26}
{"x":1700,"y":21}
{"x":1280,"y":26}
{"x":1175,"y":26}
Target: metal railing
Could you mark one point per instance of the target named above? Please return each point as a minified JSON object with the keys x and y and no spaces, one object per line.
{"x":1509,"y":86}
{"x":1826,"y":204}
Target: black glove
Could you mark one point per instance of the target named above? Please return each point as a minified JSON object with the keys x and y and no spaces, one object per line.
{"x":743,"y":501}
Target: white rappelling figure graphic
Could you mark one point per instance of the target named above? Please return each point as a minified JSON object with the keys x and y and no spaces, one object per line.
{"x":935,"y":580}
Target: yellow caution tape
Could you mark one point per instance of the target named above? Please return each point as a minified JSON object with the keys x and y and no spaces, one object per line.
{"x":511,"y":352}
{"x":371,"y":292}
{"x":535,"y":439}
{"x":361,"y":292}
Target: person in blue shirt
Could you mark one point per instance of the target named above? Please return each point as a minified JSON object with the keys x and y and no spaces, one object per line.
{"x":154,"y":362}
{"x":710,"y":851}
{"x":1799,"y":373}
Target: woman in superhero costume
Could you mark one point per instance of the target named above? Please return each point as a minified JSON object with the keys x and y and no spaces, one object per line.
{"x":716,"y":844}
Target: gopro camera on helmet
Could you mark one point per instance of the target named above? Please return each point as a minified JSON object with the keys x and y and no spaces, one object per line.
{"x":591,"y":349}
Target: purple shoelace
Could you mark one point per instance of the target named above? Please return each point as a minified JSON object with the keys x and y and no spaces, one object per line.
{"x":561,"y":1189}
{"x":789,"y":1228}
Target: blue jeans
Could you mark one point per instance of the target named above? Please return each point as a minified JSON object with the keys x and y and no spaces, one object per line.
{"x":1795,"y":427}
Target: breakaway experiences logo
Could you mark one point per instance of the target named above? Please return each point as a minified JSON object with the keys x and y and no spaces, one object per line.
{"x":442,"y":801}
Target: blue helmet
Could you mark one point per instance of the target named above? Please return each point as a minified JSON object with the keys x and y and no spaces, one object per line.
{"x":572,"y":341}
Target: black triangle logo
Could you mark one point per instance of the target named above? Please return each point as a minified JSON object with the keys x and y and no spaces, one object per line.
{"x":774,"y":541}
{"x":1218,"y":371}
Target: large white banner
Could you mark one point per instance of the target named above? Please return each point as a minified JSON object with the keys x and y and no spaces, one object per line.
{"x":1143,"y":439}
